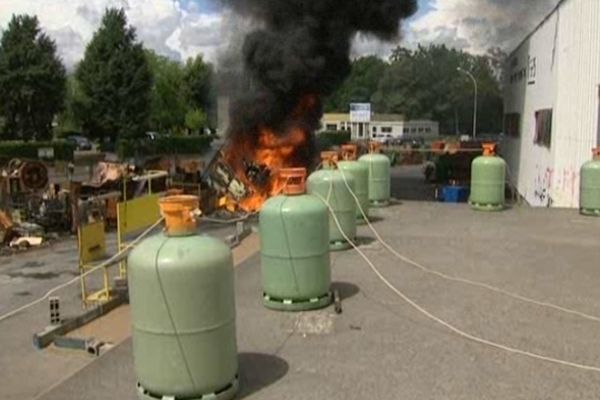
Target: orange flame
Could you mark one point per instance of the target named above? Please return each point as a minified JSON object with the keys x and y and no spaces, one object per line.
{"x":271,"y":152}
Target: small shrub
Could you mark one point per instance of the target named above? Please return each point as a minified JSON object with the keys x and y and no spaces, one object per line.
{"x":164,"y":146}
{"x":328,"y":139}
{"x":63,"y":151}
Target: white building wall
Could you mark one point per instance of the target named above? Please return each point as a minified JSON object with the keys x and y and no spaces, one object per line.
{"x":577,"y":104}
{"x":406,"y":129}
{"x":377,"y":128}
{"x":562,"y":64}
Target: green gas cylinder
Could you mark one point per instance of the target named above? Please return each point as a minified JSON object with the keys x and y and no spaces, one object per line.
{"x":329,"y":184}
{"x":360,"y":172}
{"x":379,"y":167}
{"x":294,"y":248}
{"x":183,"y":311}
{"x":488,"y":181}
{"x":590,"y":186}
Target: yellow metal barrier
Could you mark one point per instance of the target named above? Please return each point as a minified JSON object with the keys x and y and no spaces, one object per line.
{"x":91,"y":240}
{"x":133,"y":216}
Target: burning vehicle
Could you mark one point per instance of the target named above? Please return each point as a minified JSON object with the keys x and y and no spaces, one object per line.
{"x":299,"y":54}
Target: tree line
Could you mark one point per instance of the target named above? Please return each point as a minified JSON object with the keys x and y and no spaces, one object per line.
{"x":425,"y":83}
{"x":118,"y":90}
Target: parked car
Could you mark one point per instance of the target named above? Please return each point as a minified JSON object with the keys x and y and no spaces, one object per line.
{"x":382,"y":138}
{"x":155,"y":135}
{"x":81,"y":143}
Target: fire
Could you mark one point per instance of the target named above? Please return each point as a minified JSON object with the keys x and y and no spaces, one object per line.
{"x":256,"y":159}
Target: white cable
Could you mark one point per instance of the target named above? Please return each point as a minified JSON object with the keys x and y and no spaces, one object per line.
{"x":462,"y":280}
{"x":228,"y":221}
{"x":444,"y":323}
{"x":81,"y":276}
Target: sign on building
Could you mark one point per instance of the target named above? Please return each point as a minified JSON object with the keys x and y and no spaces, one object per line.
{"x":360,"y":112}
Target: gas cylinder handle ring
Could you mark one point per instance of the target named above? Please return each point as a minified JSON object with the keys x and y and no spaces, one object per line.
{"x":330,"y":159}
{"x":374,"y":147}
{"x":349,"y":152}
{"x":489,"y":149}
{"x":294,"y":180}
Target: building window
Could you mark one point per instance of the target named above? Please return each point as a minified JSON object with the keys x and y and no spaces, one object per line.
{"x":413,"y":130}
{"x":374,"y":129}
{"x":331,"y":127}
{"x":421,"y":130}
{"x":386,"y":129}
{"x":512,"y":124}
{"x":406,"y":130}
{"x":543,"y":127}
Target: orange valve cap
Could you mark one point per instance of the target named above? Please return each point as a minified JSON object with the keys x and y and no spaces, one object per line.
{"x":374,"y":147}
{"x":489,"y":149}
{"x":180,"y":214}
{"x":330,"y":158}
{"x":350,"y":152}
{"x":294,"y":180}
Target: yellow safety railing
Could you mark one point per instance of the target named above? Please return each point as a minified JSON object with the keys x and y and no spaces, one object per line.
{"x":91,"y":240}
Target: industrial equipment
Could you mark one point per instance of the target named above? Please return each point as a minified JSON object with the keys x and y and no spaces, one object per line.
{"x":183,"y":310}
{"x":379,"y":167}
{"x":360,"y":172}
{"x":329,"y":184}
{"x":294,"y":234}
{"x":488,"y":181}
{"x":590,"y":186}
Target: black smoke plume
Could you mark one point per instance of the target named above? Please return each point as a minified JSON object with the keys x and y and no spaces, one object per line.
{"x":303,"y":48}
{"x":299,"y":54}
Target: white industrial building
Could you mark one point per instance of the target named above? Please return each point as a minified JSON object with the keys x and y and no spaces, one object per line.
{"x":552,"y":104}
{"x":381,"y":127}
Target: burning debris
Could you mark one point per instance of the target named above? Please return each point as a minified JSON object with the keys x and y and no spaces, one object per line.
{"x":300,"y":54}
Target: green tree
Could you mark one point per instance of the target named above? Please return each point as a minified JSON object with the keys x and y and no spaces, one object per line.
{"x":169,"y":105}
{"x":195,"y":120}
{"x":67,"y":122}
{"x":425,"y":83}
{"x":115,"y":82}
{"x":199,"y":85}
{"x":32,"y":80}
{"x":360,"y":85}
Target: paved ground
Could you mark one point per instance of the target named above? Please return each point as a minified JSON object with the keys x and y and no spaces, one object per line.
{"x":408,"y":183}
{"x":28,"y":276}
{"x":380,"y":348}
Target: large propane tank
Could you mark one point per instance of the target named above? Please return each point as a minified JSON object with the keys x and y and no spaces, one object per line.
{"x":360,"y":172}
{"x":590,"y":186}
{"x":379,"y":166}
{"x":183,"y":310}
{"x":294,"y":248}
{"x":328,"y":184}
{"x":488,"y":181}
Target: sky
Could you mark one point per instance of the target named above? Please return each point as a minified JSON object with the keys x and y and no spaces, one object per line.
{"x":184,"y":28}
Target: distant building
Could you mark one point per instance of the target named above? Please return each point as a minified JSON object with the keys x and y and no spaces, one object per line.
{"x":382,"y":127}
{"x":552,"y":104}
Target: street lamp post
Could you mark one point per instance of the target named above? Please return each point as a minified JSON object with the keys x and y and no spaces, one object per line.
{"x":470,"y":75}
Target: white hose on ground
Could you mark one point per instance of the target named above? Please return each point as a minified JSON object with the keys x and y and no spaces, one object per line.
{"x":447,"y":325}
{"x":104,"y":264}
{"x":463,"y":280}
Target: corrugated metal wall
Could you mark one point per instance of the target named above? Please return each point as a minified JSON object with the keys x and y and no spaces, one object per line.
{"x":566,"y":48}
{"x":531,"y":87}
{"x":577,"y":104}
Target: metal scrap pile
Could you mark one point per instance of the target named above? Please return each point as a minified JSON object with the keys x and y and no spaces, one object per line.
{"x":227,"y":190}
